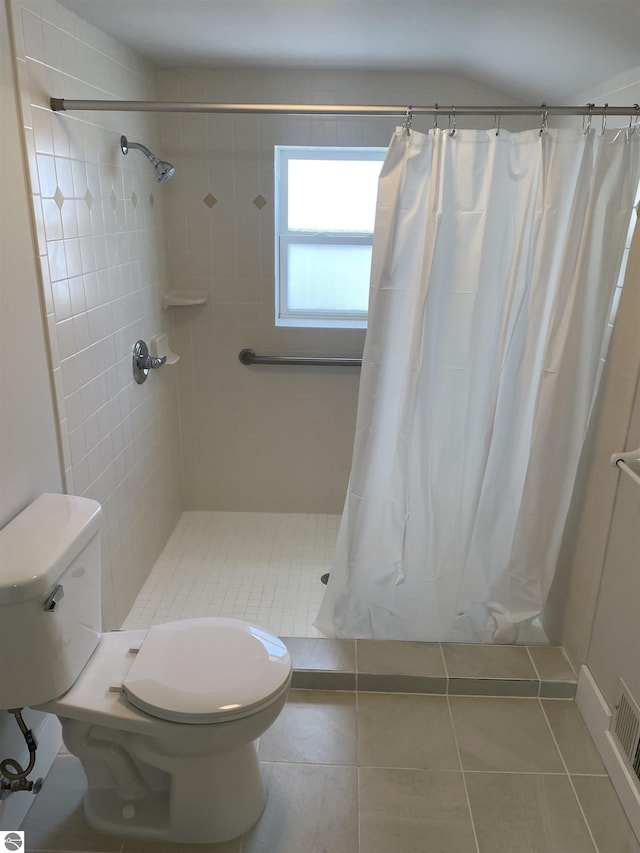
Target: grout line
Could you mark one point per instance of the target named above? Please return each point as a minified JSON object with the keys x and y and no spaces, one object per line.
{"x":464,"y":780}
{"x":575,"y":793}
{"x":357,"y":708}
{"x":535,"y":669}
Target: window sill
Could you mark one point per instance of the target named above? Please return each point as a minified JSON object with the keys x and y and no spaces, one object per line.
{"x":319,"y":323}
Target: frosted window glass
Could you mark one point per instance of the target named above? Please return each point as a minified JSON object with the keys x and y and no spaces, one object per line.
{"x":332,"y":195}
{"x":328,"y":277}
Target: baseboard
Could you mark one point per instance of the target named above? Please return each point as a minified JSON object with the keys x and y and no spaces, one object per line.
{"x":14,"y":809}
{"x":597,"y":717}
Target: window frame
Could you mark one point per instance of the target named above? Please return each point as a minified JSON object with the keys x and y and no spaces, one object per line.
{"x":284,"y":315}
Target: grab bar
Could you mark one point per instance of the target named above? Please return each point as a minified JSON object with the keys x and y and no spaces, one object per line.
{"x":248,"y":356}
{"x":623,"y":460}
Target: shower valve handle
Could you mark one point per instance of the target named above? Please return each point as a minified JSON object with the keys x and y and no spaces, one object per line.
{"x":143,"y":362}
{"x":151,"y":362}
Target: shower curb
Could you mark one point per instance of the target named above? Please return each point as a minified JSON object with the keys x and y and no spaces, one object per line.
{"x":396,"y":666}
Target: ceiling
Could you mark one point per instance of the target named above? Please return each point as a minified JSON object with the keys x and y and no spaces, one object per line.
{"x":534,"y":50}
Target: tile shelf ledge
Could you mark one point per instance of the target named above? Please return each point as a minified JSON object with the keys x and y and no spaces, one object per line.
{"x":181,"y":298}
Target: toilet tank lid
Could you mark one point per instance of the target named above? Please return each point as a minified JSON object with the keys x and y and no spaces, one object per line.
{"x":39,"y":543}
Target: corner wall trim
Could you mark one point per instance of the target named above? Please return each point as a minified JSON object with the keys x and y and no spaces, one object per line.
{"x":597,"y":717}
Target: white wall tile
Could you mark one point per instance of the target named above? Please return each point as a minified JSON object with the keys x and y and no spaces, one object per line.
{"x":95,"y":258}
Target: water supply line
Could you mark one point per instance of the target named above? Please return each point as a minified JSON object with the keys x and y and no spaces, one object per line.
{"x":14,"y":776}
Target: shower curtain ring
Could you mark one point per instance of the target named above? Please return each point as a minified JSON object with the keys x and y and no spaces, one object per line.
{"x":407,"y":120}
{"x":544,"y":115}
{"x":498,"y":119}
{"x":435,"y":116}
{"x":452,"y":132}
{"x":604,"y":118}
{"x":588,"y":128}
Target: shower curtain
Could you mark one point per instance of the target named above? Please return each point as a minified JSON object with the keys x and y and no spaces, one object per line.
{"x":495,"y":257}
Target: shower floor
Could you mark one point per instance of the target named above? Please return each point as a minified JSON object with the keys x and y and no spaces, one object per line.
{"x":260,"y":567}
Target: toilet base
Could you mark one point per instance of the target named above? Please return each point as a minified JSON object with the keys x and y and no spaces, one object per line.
{"x":219,"y":798}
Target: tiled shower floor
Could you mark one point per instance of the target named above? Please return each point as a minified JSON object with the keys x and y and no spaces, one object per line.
{"x":261,"y":567}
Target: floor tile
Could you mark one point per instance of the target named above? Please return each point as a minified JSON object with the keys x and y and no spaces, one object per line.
{"x":526,"y":813}
{"x":413,"y":811}
{"x":257,"y":566}
{"x":472,"y":660}
{"x":317,"y":653}
{"x":312,"y":808}
{"x":395,"y":657}
{"x":503,"y":734}
{"x":314,"y":727}
{"x":405,"y":731}
{"x":573,"y":739}
{"x":56,"y":819}
{"x":605,"y":815}
{"x":551,"y":663}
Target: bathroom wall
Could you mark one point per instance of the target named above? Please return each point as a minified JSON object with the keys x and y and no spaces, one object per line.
{"x":29,"y":458}
{"x":264,"y":438}
{"x":101,"y":246}
{"x":614,"y":649}
{"x":590,"y":535}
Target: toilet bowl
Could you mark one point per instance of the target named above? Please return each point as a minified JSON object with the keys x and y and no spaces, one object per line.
{"x":164,"y":721}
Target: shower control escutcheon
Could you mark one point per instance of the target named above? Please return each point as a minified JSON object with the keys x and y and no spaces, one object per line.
{"x":143,"y":362}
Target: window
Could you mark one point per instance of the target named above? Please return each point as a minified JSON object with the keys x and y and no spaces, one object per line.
{"x":325,"y":208}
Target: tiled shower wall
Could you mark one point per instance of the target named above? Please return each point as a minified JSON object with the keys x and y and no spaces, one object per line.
{"x":100,"y":229}
{"x":273,"y":439}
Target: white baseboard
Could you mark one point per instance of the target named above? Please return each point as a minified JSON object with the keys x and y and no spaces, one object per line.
{"x":597,"y":717}
{"x":14,"y":809}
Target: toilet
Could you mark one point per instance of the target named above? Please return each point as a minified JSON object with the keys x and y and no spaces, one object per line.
{"x":164,"y":721}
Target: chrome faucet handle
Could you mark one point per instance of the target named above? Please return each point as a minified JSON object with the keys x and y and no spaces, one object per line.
{"x":152,"y":362}
{"x":143,"y":362}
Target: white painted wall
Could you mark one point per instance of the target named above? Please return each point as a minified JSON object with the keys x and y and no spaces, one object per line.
{"x":29,"y":458}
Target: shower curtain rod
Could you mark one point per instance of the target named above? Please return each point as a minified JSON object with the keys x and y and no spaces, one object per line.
{"x":65,"y":105}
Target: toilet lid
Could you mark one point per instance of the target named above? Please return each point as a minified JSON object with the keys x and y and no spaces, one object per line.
{"x":207,"y":670}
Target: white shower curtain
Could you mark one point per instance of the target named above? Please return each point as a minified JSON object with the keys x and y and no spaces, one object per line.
{"x":494,"y":262}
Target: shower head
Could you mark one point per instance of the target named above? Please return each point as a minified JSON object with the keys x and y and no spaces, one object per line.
{"x":164,"y":170}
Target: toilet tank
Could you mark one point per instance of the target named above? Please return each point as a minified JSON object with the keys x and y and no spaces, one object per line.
{"x":50,"y":618}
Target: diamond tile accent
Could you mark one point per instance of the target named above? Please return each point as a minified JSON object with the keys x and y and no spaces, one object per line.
{"x":260,"y":201}
{"x":58,"y":198}
{"x":134,"y":199}
{"x":210,"y":200}
{"x":152,"y":200}
{"x":88,"y":199}
{"x":113,"y":199}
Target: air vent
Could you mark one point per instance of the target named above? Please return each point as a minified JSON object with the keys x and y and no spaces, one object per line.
{"x":626,"y":727}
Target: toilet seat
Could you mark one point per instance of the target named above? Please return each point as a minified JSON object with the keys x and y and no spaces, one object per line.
{"x":207,"y":671}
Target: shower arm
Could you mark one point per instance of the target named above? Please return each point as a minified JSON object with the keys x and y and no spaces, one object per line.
{"x":125,"y":145}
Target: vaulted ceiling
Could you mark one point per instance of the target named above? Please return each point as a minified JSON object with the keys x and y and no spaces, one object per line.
{"x":534,"y":50}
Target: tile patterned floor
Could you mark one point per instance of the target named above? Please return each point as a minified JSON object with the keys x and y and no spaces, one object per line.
{"x":261,"y":567}
{"x":351,"y":772}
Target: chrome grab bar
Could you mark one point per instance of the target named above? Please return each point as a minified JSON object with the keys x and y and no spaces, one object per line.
{"x":248,"y":356}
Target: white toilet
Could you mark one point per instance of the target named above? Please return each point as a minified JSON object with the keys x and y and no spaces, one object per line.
{"x":164,"y":721}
